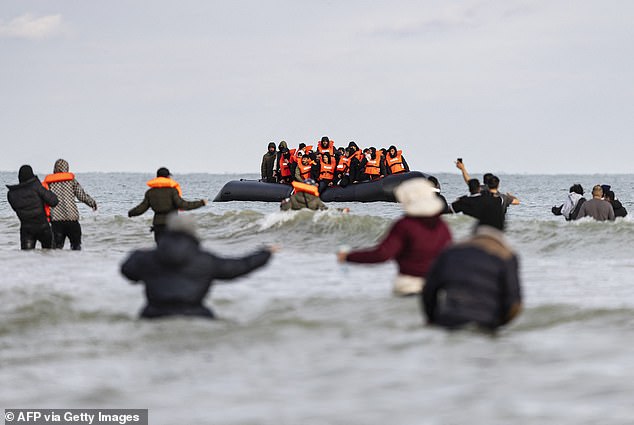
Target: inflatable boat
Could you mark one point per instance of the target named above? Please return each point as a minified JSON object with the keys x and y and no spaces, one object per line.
{"x":254,"y":190}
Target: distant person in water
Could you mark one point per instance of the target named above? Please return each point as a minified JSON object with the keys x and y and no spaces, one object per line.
{"x":414,"y":241}
{"x":570,"y":208}
{"x":178,"y":273}
{"x":596,"y":207}
{"x":474,"y":282}
{"x":164,"y":197}
{"x":65,"y":215}
{"x":268,"y":164}
{"x":31,"y":201}
{"x":434,"y":181}
{"x":481,"y":205}
{"x":617,"y":206}
{"x":305,"y":195}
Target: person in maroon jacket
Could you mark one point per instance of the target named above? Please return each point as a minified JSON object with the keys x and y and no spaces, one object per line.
{"x":414,"y":241}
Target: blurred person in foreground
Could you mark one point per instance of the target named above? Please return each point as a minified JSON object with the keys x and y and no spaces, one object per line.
{"x":178,"y":273}
{"x":414,"y":241}
{"x":475,"y":282}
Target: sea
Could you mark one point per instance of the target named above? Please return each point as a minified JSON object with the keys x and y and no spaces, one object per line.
{"x":308,"y":341}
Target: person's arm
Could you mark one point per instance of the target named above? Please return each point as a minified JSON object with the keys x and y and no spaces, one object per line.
{"x":134,"y":265}
{"x":387,"y":249}
{"x":404,"y":163}
{"x":463,"y":169}
{"x":50,"y":198}
{"x":82,"y":196}
{"x":142,"y":207}
{"x":512,"y":199}
{"x":186,"y":205}
{"x":230,"y":268}
{"x":263,"y":168}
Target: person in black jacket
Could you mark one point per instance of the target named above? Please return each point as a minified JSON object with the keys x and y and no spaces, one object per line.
{"x":474,"y":282}
{"x":29,"y":200}
{"x":178,"y":274}
{"x":617,"y":206}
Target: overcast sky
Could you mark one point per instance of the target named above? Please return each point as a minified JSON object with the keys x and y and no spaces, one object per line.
{"x":203,"y":86}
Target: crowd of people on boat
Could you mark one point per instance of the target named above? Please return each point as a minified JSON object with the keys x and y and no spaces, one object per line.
{"x":329,"y":165}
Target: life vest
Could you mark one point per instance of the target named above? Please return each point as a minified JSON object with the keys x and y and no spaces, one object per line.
{"x":293,"y":157}
{"x":359,"y":154}
{"x":55,"y":178}
{"x":285,"y":166}
{"x":343,"y":165}
{"x":330,"y":149}
{"x":307,"y":188}
{"x":304,"y":170}
{"x":327,"y":171}
{"x":373,"y":166}
{"x":396,"y":163}
{"x":165,"y":182}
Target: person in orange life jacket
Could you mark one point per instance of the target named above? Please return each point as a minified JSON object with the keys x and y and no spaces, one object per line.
{"x":280,"y":148}
{"x":164,"y":197}
{"x":342,"y":170}
{"x":30,"y":200}
{"x":326,"y":171}
{"x":268,"y":164}
{"x":414,"y":241}
{"x":372,"y":166}
{"x":306,"y":195}
{"x":355,"y":172}
{"x":284,"y":173}
{"x":304,"y":169}
{"x":326,"y":145}
{"x":395,"y":161}
{"x":65,"y":216}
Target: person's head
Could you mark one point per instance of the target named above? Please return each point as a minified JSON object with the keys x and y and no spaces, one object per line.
{"x":349,"y":152}
{"x":163,"y":172}
{"x":272,"y":147}
{"x":419,"y":198}
{"x":373,"y":152}
{"x":474,"y":186}
{"x":367,"y":153}
{"x":597,"y":191}
{"x":493,"y":182}
{"x":305,"y":160}
{"x":286,"y":153}
{"x":325,"y":157}
{"x":282,"y":145}
{"x":605,"y":188}
{"x":312,"y":155}
{"x":352,"y":144}
{"x":609,"y":195}
{"x":392,"y":151}
{"x":25,"y":173}
{"x":576,"y":188}
{"x":485,"y":178}
{"x":302,"y":146}
{"x":341,"y":150}
{"x":433,"y":180}
{"x":185,"y":224}
{"x":325,"y":142}
{"x":61,"y":166}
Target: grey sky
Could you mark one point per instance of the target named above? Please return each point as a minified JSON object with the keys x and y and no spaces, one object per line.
{"x":203,"y":86}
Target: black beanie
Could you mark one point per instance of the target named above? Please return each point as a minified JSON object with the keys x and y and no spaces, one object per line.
{"x":25,"y":173}
{"x":163,"y":172}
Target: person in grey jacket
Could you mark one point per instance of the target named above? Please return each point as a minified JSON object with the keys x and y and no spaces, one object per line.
{"x":596,"y":207}
{"x":65,"y":215}
{"x":474,"y":282}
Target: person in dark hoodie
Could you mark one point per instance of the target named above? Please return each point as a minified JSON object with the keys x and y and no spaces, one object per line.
{"x":268,"y":164}
{"x":617,"y":206}
{"x":65,"y":216}
{"x":164,"y":197}
{"x":178,"y":274}
{"x":30,"y":200}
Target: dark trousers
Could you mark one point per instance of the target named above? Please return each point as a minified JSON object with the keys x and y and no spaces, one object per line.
{"x":64,"y":229}
{"x":158,"y":230}
{"x":29,"y":236}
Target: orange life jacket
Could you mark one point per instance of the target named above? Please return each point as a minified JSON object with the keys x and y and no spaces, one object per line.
{"x":326,"y":171}
{"x":373,"y":166}
{"x":304,"y":170}
{"x":303,"y":187}
{"x":343,"y":165}
{"x":395,"y":164}
{"x":55,"y":178}
{"x":285,"y":166}
{"x":330,"y":149}
{"x":165,"y":182}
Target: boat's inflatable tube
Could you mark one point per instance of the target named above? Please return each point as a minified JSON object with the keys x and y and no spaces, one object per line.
{"x":253,"y":190}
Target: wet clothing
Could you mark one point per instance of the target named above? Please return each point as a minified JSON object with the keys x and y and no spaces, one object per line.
{"x":619,"y":209}
{"x":268,"y":163}
{"x":487,"y":209}
{"x":163,"y":200}
{"x":178,"y":274}
{"x":66,"y":212}
{"x":413,"y":242}
{"x":598,"y":209}
{"x":300,"y":200}
{"x":474,"y":282}
{"x":571,"y":207}
{"x":28,"y":199}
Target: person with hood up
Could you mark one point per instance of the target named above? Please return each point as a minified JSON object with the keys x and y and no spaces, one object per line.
{"x":474,"y":283}
{"x":268,"y":163}
{"x":570,"y":208}
{"x":282,"y":148}
{"x":178,"y":273}
{"x":30,"y":200}
{"x":65,"y":216}
{"x":414,"y":241}
{"x":164,"y":197}
{"x":617,"y":206}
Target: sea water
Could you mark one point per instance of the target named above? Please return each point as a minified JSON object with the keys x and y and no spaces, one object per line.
{"x":306,"y":341}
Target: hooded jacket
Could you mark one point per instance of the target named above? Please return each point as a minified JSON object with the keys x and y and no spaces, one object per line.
{"x":67,"y":191}
{"x":178,"y":274}
{"x":268,"y":163}
{"x":163,"y":200}
{"x":28,"y":199}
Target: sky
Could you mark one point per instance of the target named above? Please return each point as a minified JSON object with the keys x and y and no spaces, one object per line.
{"x":203,"y":86}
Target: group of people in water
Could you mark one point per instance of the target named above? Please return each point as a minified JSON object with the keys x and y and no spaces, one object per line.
{"x":473,"y":282}
{"x":330,"y":166}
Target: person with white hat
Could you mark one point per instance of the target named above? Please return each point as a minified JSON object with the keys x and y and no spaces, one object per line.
{"x":414,"y":241}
